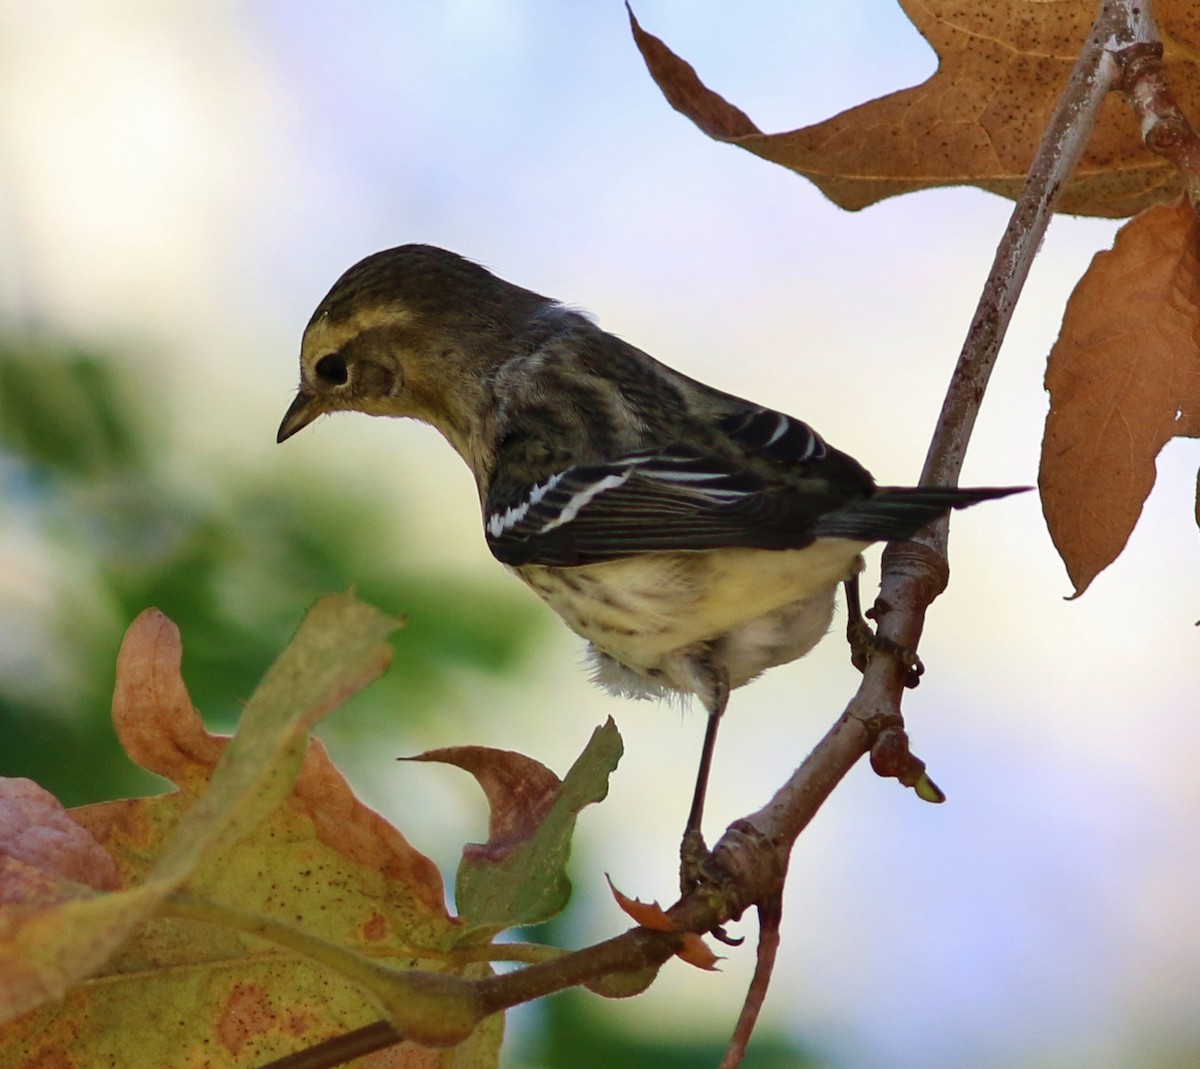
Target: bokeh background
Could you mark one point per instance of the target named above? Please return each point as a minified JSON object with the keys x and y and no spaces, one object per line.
{"x":180,"y":184}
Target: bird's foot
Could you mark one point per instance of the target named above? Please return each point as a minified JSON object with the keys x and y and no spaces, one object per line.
{"x":694,"y":870}
{"x":865,"y":644}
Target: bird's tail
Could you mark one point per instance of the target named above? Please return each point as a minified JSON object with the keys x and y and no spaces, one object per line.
{"x":898,"y":512}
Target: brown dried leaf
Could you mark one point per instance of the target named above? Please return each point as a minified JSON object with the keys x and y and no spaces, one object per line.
{"x":519,"y":791}
{"x":651,"y":915}
{"x":976,"y":121}
{"x":686,"y":93}
{"x":1124,"y":379}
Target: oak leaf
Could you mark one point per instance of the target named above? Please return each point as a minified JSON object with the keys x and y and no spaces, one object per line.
{"x":519,"y":877}
{"x":38,"y":832}
{"x":1124,"y":379}
{"x":262,"y":826}
{"x":976,"y":121}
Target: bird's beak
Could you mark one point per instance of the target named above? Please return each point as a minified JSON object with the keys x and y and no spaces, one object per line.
{"x":302,"y":412}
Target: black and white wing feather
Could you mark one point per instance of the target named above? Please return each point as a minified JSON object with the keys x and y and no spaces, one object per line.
{"x":675,"y":498}
{"x":657,"y":500}
{"x":778,"y":487}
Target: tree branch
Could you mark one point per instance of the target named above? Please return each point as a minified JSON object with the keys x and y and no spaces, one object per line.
{"x":1165,"y":129}
{"x":915,"y":572}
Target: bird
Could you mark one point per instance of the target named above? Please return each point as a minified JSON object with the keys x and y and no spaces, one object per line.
{"x":692,"y":538}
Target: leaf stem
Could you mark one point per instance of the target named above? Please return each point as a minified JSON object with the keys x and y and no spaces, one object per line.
{"x":333,"y":955}
{"x":340,"y":959}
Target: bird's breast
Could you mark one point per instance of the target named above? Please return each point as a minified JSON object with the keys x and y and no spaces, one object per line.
{"x":753,"y":607}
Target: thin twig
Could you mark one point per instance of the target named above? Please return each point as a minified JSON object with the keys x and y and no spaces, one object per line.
{"x":379,"y":1035}
{"x":1067,"y":134}
{"x":915,"y":571}
{"x":770,"y":914}
{"x":1165,"y":128}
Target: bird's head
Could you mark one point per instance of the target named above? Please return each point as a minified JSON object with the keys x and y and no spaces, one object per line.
{"x":411,"y":331}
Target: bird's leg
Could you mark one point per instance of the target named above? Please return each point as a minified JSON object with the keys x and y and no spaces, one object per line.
{"x":692,"y":851}
{"x":865,"y":643}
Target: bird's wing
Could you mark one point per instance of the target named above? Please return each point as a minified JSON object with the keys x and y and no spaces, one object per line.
{"x":679,"y":497}
{"x":768,"y":482}
{"x":669,"y":499}
{"x":777,"y":438}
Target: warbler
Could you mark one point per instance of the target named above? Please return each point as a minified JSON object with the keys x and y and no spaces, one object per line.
{"x":694,"y":539}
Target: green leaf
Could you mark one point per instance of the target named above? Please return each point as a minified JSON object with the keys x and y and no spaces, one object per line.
{"x":526,"y":882}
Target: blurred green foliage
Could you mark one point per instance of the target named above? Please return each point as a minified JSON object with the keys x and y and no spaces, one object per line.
{"x":577,"y":1034}
{"x":97,"y":523}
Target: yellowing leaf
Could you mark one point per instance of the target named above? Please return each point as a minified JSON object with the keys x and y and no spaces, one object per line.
{"x":1124,"y":379}
{"x":177,"y":991}
{"x":976,"y":121}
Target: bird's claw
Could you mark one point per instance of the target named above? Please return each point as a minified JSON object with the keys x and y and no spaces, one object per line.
{"x":694,"y":870}
{"x":865,"y":644}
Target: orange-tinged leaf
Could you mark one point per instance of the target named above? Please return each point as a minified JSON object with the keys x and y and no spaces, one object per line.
{"x":362,"y":837}
{"x":647,"y":914}
{"x":1124,"y":379}
{"x":323,"y":862}
{"x":179,"y":992}
{"x":695,"y":952}
{"x":976,"y":121}
{"x":152,"y":712}
{"x":651,"y":915}
{"x":47,"y":863}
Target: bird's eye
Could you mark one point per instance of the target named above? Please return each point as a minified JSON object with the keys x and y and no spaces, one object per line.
{"x":332,"y":369}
